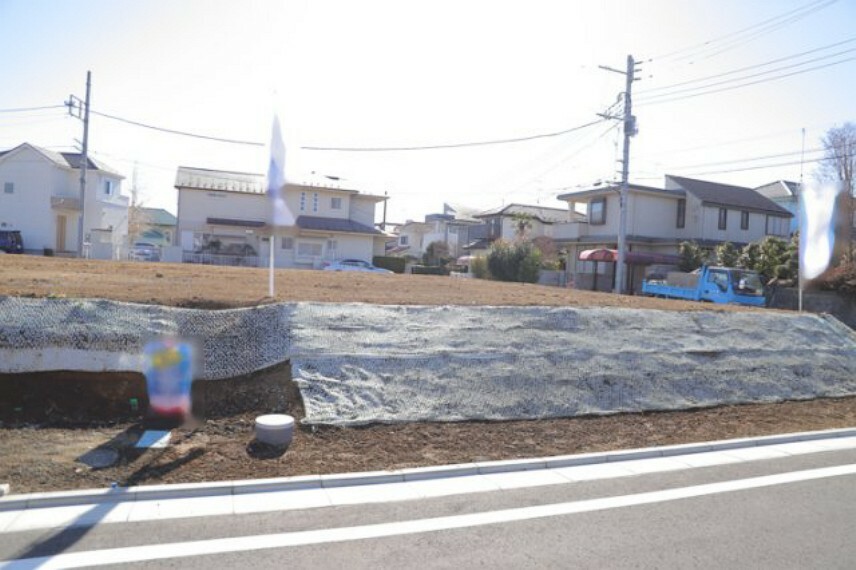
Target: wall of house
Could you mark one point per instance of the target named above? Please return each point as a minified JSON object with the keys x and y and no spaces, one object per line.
{"x":757,"y":226}
{"x":317,"y":202}
{"x":362,"y":210}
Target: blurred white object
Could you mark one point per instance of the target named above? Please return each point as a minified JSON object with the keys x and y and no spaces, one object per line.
{"x":817,"y":230}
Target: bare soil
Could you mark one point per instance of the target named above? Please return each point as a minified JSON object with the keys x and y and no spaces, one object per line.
{"x":50,"y":421}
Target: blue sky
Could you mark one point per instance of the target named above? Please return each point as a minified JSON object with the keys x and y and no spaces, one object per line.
{"x":389,"y":74}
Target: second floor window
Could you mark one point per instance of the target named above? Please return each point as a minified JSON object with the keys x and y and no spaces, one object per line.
{"x":303,"y":201}
{"x":723,"y":219}
{"x":597,"y":211}
{"x":108,"y":187}
{"x":744,"y":220}
{"x":315,"y":201}
{"x":9,"y":187}
{"x":777,"y":226}
{"x":335,"y":203}
{"x":403,"y":240}
{"x":682,"y":213}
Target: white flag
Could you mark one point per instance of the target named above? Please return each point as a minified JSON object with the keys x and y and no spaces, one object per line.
{"x":282,"y":216}
{"x":817,"y":230}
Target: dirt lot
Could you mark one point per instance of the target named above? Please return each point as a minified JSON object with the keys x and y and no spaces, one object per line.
{"x":49,"y":421}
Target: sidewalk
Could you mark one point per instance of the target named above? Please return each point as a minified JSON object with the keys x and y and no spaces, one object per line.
{"x":159,"y":502}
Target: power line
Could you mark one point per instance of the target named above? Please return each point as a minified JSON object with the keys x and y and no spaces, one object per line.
{"x":455,"y":145}
{"x":25,"y":109}
{"x":722,"y":89}
{"x":762,"y":167}
{"x":176,"y":132}
{"x":749,"y":67}
{"x":759,"y":74}
{"x":765,"y":26}
{"x":753,"y":159}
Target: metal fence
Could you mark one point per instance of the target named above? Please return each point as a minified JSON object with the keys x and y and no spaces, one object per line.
{"x":220,"y":259}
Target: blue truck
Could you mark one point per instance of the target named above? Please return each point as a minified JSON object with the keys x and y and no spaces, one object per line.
{"x":709,"y":284}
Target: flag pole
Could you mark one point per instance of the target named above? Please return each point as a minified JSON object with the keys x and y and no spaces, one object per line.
{"x":270,"y":265}
{"x":800,"y":215}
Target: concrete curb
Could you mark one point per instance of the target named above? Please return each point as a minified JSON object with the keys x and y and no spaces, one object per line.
{"x":242,"y":487}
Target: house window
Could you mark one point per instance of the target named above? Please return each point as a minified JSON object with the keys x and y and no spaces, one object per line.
{"x":403,"y":240}
{"x":597,"y":212}
{"x":308,"y":249}
{"x":9,"y":188}
{"x":287,"y":243}
{"x":682,"y":213}
{"x":331,"y":246}
{"x":303,"y":201}
{"x":777,"y":226}
{"x":744,"y":220}
{"x":108,"y":187}
{"x":723,"y":218}
{"x":315,"y":201}
{"x":335,"y":203}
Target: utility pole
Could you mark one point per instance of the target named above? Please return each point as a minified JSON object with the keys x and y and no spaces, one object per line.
{"x":629,"y":131}
{"x":83,"y":114}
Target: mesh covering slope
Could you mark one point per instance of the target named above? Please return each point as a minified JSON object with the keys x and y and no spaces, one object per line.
{"x":359,"y":364}
{"x":99,"y":335}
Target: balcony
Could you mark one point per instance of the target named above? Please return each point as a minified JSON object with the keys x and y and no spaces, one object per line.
{"x":65,"y":203}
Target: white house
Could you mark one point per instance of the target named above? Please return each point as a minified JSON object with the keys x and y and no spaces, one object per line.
{"x":452,"y":228}
{"x":41,"y":198}
{"x":659,"y":219}
{"x":224,"y":218}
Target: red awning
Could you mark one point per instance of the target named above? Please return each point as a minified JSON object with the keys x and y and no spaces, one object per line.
{"x":633,"y":257}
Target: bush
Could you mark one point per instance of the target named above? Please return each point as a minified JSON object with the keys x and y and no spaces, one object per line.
{"x":727,"y":255}
{"x":394,"y":264}
{"x":428,"y":270}
{"x":841,"y":279}
{"x":437,"y":253}
{"x":692,"y":256}
{"x":478,"y":267}
{"x":519,"y":262}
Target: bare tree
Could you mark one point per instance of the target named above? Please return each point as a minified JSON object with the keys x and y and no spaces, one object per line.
{"x":138,"y":219}
{"x":839,"y":165}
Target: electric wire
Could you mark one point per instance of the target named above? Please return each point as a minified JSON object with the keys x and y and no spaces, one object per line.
{"x":456,"y":145}
{"x":26,"y":109}
{"x":644,"y":92}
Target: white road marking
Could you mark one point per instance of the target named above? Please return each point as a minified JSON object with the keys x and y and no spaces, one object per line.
{"x":312,"y":537}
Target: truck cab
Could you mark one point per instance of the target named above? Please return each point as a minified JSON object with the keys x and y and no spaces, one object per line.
{"x":730,"y":285}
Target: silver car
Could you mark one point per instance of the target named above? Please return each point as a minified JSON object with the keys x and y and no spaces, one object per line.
{"x":355,"y":265}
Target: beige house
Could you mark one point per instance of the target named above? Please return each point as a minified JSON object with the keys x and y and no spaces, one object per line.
{"x":658,"y":220}
{"x":452,"y":228}
{"x":41,"y":198}
{"x":224,"y":218}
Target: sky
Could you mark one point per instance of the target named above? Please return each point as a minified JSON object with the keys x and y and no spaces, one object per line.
{"x":392,"y":74}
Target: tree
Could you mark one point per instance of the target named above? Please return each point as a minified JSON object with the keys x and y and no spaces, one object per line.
{"x":138,"y":220}
{"x":549,"y":252}
{"x":437,"y":253}
{"x":522,"y":224}
{"x":839,"y":166}
{"x":692,"y":256}
{"x":727,"y":254}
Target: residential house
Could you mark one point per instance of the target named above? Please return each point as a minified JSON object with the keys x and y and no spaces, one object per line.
{"x":452,"y":228}
{"x":41,"y":197}
{"x":787,"y":195}
{"x":224,"y":218}
{"x":504,"y":223}
{"x":156,"y":226}
{"x":658,"y":220}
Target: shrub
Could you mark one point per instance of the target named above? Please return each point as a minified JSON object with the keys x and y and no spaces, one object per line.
{"x":428,"y":270}
{"x":437,"y":253}
{"x":727,"y":255}
{"x":395,"y":264}
{"x":841,"y":278}
{"x":518,"y":262}
{"x":692,"y":256}
{"x":478,"y":267}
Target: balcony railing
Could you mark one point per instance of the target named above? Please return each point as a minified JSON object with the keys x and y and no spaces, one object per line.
{"x":220,"y":259}
{"x":65,"y":202}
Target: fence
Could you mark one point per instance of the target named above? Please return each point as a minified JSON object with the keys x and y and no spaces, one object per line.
{"x":219,"y":259}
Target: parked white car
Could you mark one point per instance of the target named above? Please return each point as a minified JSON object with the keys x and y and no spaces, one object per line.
{"x":355,"y":265}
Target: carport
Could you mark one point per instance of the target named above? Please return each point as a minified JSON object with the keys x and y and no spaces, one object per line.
{"x":638,"y":258}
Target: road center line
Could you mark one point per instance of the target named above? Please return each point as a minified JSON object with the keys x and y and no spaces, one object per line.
{"x":312,"y":537}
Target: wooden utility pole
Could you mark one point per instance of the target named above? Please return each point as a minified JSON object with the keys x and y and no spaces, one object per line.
{"x":83,"y":114}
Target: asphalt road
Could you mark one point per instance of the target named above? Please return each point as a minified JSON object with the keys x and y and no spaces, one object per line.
{"x":793,"y":512}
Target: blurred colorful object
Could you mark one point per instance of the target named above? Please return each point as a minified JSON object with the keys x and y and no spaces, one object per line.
{"x":817,"y":230}
{"x":169,"y":376}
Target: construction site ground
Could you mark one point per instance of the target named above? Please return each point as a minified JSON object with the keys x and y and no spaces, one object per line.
{"x":50,"y":421}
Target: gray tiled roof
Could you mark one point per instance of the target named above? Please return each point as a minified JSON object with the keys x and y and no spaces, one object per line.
{"x":335,"y":225}
{"x":541,"y":213}
{"x":727,"y":195}
{"x":68,"y":159}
